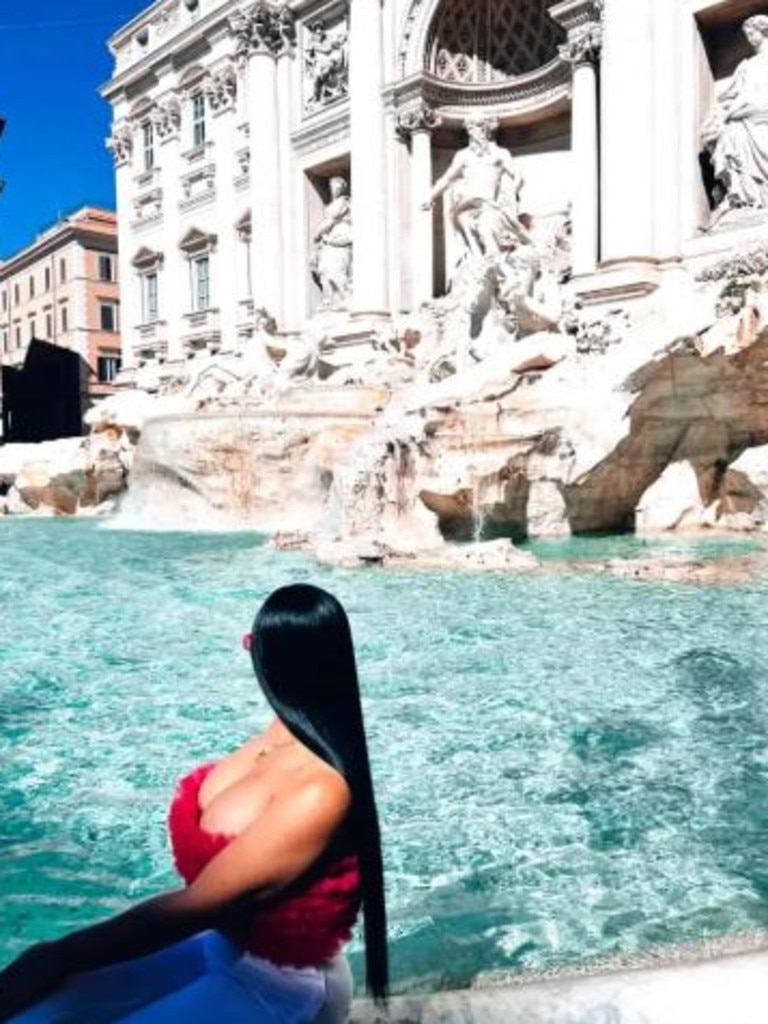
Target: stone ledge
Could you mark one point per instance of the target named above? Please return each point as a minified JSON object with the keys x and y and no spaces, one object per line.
{"x":710,"y":983}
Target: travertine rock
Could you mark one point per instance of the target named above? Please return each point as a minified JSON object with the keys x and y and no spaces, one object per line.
{"x":63,"y":477}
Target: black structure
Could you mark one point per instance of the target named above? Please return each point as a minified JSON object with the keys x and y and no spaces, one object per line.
{"x":44,"y":399}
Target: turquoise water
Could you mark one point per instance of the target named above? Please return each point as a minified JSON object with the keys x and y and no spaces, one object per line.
{"x":567,"y":766}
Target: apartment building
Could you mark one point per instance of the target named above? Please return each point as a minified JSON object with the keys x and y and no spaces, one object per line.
{"x":64,"y":288}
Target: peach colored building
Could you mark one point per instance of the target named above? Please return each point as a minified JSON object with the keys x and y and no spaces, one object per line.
{"x":64,"y":289}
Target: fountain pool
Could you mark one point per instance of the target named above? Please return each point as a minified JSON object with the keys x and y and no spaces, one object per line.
{"x":568,"y":766}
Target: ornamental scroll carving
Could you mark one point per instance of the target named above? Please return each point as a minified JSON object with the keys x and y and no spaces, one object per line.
{"x":263,"y":29}
{"x":166,"y":119}
{"x":584,"y":46}
{"x":120,"y":143}
{"x":221,"y":90}
{"x":417,"y":119}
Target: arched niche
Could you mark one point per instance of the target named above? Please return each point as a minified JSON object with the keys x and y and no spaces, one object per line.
{"x":478,"y":41}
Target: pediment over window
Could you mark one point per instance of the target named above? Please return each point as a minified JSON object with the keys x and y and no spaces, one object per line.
{"x":146,"y":259}
{"x":193,"y":78}
{"x":141,"y":109}
{"x":196,"y":241}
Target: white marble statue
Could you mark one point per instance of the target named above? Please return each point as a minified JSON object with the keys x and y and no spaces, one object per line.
{"x":485,"y":194}
{"x":331,"y":263}
{"x":737,"y":133}
{"x":327,"y":65}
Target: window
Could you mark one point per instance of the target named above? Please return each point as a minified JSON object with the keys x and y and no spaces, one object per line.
{"x":108,"y":316}
{"x":47,"y":279}
{"x":5,"y":301}
{"x":150,"y":297}
{"x":32,"y":328}
{"x":108,"y":368}
{"x":6,"y":347}
{"x":48,"y":326}
{"x":16,"y":294}
{"x":148,"y":142}
{"x":106,"y":268}
{"x":64,"y":319}
{"x":198,"y":120}
{"x":18,"y":337}
{"x":32,"y":287}
{"x":62,"y":271}
{"x":201,"y":297}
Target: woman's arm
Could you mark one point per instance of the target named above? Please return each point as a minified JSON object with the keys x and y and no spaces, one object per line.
{"x":276,"y":850}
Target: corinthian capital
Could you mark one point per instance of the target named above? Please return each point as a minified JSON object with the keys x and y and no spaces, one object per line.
{"x":583,"y":46}
{"x":120,"y":143}
{"x":417,"y":119}
{"x":265,"y":27}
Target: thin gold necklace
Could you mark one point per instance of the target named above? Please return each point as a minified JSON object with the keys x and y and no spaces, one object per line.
{"x":270,"y":747}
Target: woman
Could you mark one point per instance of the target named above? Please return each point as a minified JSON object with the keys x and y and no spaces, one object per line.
{"x":279,"y":844}
{"x":737,"y":134}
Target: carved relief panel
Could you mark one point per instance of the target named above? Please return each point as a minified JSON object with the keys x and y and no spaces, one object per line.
{"x":325,"y":60}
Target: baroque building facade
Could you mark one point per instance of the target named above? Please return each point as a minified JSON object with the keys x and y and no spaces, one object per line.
{"x":64,"y":288}
{"x":284,"y":161}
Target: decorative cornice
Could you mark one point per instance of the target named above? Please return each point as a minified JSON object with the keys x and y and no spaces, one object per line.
{"x":333,"y":129}
{"x":120,"y":143}
{"x":573,"y":15}
{"x":421,"y":118}
{"x":538,"y":89}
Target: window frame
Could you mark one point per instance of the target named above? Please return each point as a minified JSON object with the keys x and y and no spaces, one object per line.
{"x":150,"y":296}
{"x":112,"y":364}
{"x":112,"y":308}
{"x":148,"y":145}
{"x":201,"y":296}
{"x":199,"y":119}
{"x":110,"y":263}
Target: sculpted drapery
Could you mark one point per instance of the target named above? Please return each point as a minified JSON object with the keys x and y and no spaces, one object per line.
{"x":737,"y":134}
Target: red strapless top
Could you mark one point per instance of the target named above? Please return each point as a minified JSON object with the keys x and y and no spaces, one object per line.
{"x":304,"y":928}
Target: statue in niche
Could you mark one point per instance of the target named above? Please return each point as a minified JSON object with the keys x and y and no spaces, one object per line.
{"x":496,"y":290}
{"x":331,"y":263}
{"x":736,"y":135}
{"x":485,"y":197}
{"x":327,"y":65}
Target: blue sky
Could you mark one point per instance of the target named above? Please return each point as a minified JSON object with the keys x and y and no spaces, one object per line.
{"x":53,"y":58}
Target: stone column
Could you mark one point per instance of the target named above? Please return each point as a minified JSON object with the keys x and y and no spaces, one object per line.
{"x":261,"y":35}
{"x":221,"y":96}
{"x":174,"y":299}
{"x":369,"y":185}
{"x":628,"y":129}
{"x":418,"y":124}
{"x":582,"y":51}
{"x":293,"y":308}
{"x":120,"y":143}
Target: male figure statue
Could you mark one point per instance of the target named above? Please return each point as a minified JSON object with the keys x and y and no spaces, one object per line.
{"x":485,"y":215}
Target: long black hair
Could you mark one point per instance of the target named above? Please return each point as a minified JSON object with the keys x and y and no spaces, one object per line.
{"x":304,"y":659}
